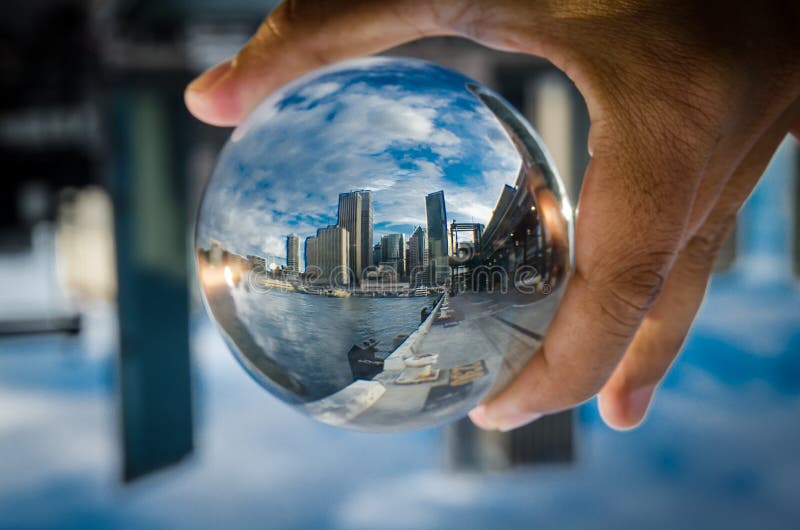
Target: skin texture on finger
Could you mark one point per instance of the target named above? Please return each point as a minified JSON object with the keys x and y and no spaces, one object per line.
{"x":624,"y":400}
{"x":594,"y":327}
{"x":626,"y":397}
{"x":298,"y":37}
{"x":628,"y":60}
{"x":608,"y":296}
{"x":622,"y":254}
{"x":752,"y":112}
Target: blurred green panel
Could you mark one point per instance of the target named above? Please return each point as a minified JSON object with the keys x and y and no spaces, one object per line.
{"x":149,"y":181}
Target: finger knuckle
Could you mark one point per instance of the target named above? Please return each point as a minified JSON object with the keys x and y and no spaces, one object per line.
{"x":287,"y":25}
{"x":702,"y":248}
{"x":632,"y":288}
{"x":279,"y":22}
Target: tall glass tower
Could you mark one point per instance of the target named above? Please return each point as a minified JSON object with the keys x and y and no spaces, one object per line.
{"x":415,"y":259}
{"x":393,"y":253}
{"x":437,"y":237}
{"x":356,"y":216}
{"x":293,"y":253}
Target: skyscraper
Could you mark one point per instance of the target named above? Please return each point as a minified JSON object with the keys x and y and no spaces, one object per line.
{"x":332,"y":245}
{"x":437,"y":236}
{"x":393,"y":253}
{"x":311,"y":253}
{"x":293,"y":253}
{"x":367,"y":218}
{"x":415,"y":258}
{"x":376,"y":254}
{"x":356,"y":216}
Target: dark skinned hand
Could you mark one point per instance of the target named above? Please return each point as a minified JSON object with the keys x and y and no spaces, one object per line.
{"x":688,"y":101}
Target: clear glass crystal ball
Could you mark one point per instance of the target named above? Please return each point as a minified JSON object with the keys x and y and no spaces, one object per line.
{"x":383,"y":243}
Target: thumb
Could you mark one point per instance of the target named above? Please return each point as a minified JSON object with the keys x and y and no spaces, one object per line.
{"x":297,"y":37}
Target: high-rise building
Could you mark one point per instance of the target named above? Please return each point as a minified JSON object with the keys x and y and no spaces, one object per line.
{"x":356,"y":216}
{"x":376,"y":254}
{"x":415,"y":257}
{"x":293,"y":253}
{"x":437,"y":236}
{"x":330,"y":255}
{"x":311,"y":253}
{"x":393,"y":253}
{"x":367,"y":219}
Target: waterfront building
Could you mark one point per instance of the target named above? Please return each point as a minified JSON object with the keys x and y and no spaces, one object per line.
{"x":415,"y":257}
{"x":257,"y":263}
{"x":393,"y":254}
{"x":332,"y":246}
{"x":376,"y":254}
{"x":355,"y":215}
{"x":293,"y":253}
{"x":311,"y":253}
{"x":436,"y":214}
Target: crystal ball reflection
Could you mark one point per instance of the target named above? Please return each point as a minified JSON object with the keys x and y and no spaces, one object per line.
{"x":383,"y":243}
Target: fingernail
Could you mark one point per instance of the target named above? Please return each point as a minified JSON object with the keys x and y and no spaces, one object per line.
{"x":207,"y":79}
{"x":509,"y":423}
{"x":638,"y":402}
{"x":478,"y":417}
{"x":482,"y":419}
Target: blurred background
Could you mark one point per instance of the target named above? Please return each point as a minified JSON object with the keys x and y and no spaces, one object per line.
{"x":120,"y":406}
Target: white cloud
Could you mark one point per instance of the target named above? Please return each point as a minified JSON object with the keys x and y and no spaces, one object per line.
{"x":422,"y":495}
{"x":721,"y":451}
{"x":770,"y":307}
{"x":319,"y":90}
{"x":287,"y":167}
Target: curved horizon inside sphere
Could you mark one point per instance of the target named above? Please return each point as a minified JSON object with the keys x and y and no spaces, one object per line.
{"x":383,"y":243}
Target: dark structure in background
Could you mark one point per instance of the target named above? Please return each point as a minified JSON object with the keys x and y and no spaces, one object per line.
{"x":149,"y":174}
{"x":550,"y":440}
{"x":47,"y":131}
{"x":46,"y":128}
{"x":91,"y":93}
{"x":79,"y":109}
{"x":149,"y":177}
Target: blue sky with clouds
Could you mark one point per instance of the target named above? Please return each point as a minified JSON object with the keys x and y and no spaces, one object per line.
{"x":718,"y":451}
{"x":719,"y":448}
{"x":398,"y":127}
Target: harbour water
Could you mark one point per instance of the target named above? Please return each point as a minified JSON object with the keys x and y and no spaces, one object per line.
{"x":298,"y":333}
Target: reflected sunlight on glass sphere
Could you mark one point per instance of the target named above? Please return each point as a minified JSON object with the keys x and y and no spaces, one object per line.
{"x":383,"y":243}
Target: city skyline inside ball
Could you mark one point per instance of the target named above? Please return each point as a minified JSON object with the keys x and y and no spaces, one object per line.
{"x":383,"y":243}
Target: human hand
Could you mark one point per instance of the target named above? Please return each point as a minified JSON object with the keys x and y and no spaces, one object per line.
{"x":688,"y":101}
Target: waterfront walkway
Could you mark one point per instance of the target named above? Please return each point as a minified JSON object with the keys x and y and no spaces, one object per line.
{"x":480,"y":340}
